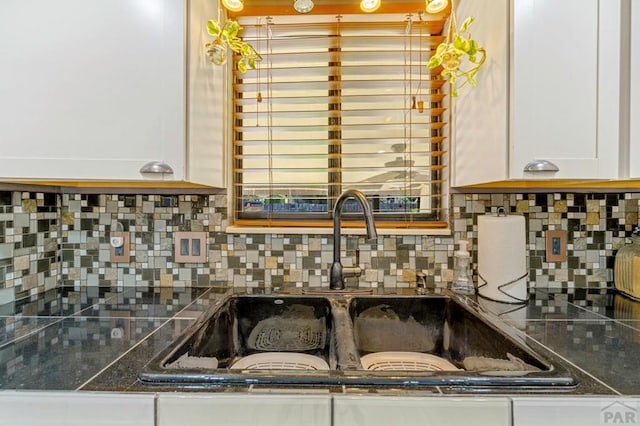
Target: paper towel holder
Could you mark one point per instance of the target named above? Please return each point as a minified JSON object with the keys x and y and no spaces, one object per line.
{"x":503,"y":288}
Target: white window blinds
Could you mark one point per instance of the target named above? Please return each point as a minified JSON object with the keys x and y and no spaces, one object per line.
{"x":339,"y":103}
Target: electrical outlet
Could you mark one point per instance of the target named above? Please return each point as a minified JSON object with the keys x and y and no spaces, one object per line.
{"x":556,"y":245}
{"x":119,"y":242}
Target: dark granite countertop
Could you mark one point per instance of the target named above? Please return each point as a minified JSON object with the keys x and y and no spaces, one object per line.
{"x":99,"y":339}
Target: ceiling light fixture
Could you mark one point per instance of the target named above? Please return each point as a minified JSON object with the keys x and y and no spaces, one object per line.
{"x":436,"y":6}
{"x":233,"y":5}
{"x":303,"y":6}
{"x":369,"y":6}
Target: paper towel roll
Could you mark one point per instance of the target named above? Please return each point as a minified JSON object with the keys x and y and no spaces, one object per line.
{"x":502,"y":258}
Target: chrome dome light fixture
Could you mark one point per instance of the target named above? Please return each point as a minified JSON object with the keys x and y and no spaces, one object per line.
{"x":436,"y":6}
{"x":233,"y":5}
{"x":369,"y":6}
{"x":303,"y":6}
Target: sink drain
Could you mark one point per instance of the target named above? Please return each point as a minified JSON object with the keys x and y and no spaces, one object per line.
{"x":284,"y":334}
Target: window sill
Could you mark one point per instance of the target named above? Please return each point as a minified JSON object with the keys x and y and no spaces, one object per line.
{"x":233,"y":229}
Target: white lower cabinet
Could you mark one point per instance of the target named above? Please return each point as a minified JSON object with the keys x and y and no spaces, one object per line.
{"x":420,"y":411}
{"x":583,"y":411}
{"x":243,"y":410}
{"x":27,"y":408}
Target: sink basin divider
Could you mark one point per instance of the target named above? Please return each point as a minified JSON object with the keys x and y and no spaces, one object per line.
{"x":347,"y":354}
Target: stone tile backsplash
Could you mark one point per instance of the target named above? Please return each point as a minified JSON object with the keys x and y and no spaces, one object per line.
{"x":49,"y":240}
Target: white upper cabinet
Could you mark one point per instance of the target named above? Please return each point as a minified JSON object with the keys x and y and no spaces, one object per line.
{"x":550,"y":91}
{"x":480,"y":119}
{"x":565,"y":87}
{"x":634,"y":92}
{"x":94,"y":90}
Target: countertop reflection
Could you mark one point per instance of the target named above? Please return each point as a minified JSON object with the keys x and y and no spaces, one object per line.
{"x":598,"y":330}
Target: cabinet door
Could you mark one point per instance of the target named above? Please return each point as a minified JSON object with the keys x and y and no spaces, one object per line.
{"x":412,"y":411}
{"x":91,"y":89}
{"x":565,"y":85}
{"x":481,"y":114}
{"x":207,"y":102}
{"x":634,"y":93}
{"x":584,"y":411}
{"x":27,"y":408}
{"x":240,"y":410}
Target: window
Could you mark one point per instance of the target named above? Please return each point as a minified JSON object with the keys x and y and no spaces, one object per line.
{"x":338,"y":103}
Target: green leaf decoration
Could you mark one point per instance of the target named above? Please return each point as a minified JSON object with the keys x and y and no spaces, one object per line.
{"x":232,"y":29}
{"x":473,"y":49}
{"x":213,"y":27}
{"x":229,"y":35}
{"x":246,"y":50}
{"x":457,"y":53}
{"x":434,"y":61}
{"x":464,"y":28}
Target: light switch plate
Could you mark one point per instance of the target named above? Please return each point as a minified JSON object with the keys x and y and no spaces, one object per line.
{"x":190,"y":247}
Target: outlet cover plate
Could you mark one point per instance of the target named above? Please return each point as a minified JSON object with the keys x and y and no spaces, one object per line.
{"x":120,"y":254}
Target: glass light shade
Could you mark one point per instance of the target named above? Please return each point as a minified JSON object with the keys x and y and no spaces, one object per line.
{"x":435,"y":6}
{"x":369,"y":6}
{"x":303,"y":6}
{"x":233,"y":5}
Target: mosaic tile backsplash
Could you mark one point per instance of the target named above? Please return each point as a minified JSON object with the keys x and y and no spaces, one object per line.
{"x":29,"y":244}
{"x":49,"y":240}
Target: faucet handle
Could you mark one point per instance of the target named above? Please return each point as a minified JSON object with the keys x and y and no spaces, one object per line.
{"x":355,"y":270}
{"x":351,"y":271}
{"x":421,"y":282}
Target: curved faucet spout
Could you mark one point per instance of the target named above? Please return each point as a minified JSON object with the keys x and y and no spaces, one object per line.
{"x":339,"y":272}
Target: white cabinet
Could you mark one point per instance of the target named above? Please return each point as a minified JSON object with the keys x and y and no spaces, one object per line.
{"x":29,"y":408}
{"x":585,"y":411}
{"x":634,"y":92}
{"x":480,"y":131}
{"x":416,"y":411}
{"x":94,"y":90}
{"x":561,"y":62}
{"x":565,"y":86}
{"x":239,"y":410}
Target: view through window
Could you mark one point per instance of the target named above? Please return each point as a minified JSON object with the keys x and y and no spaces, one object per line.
{"x":340,"y":102}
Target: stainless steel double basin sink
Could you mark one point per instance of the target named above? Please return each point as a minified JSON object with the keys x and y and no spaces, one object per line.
{"x":406,"y":341}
